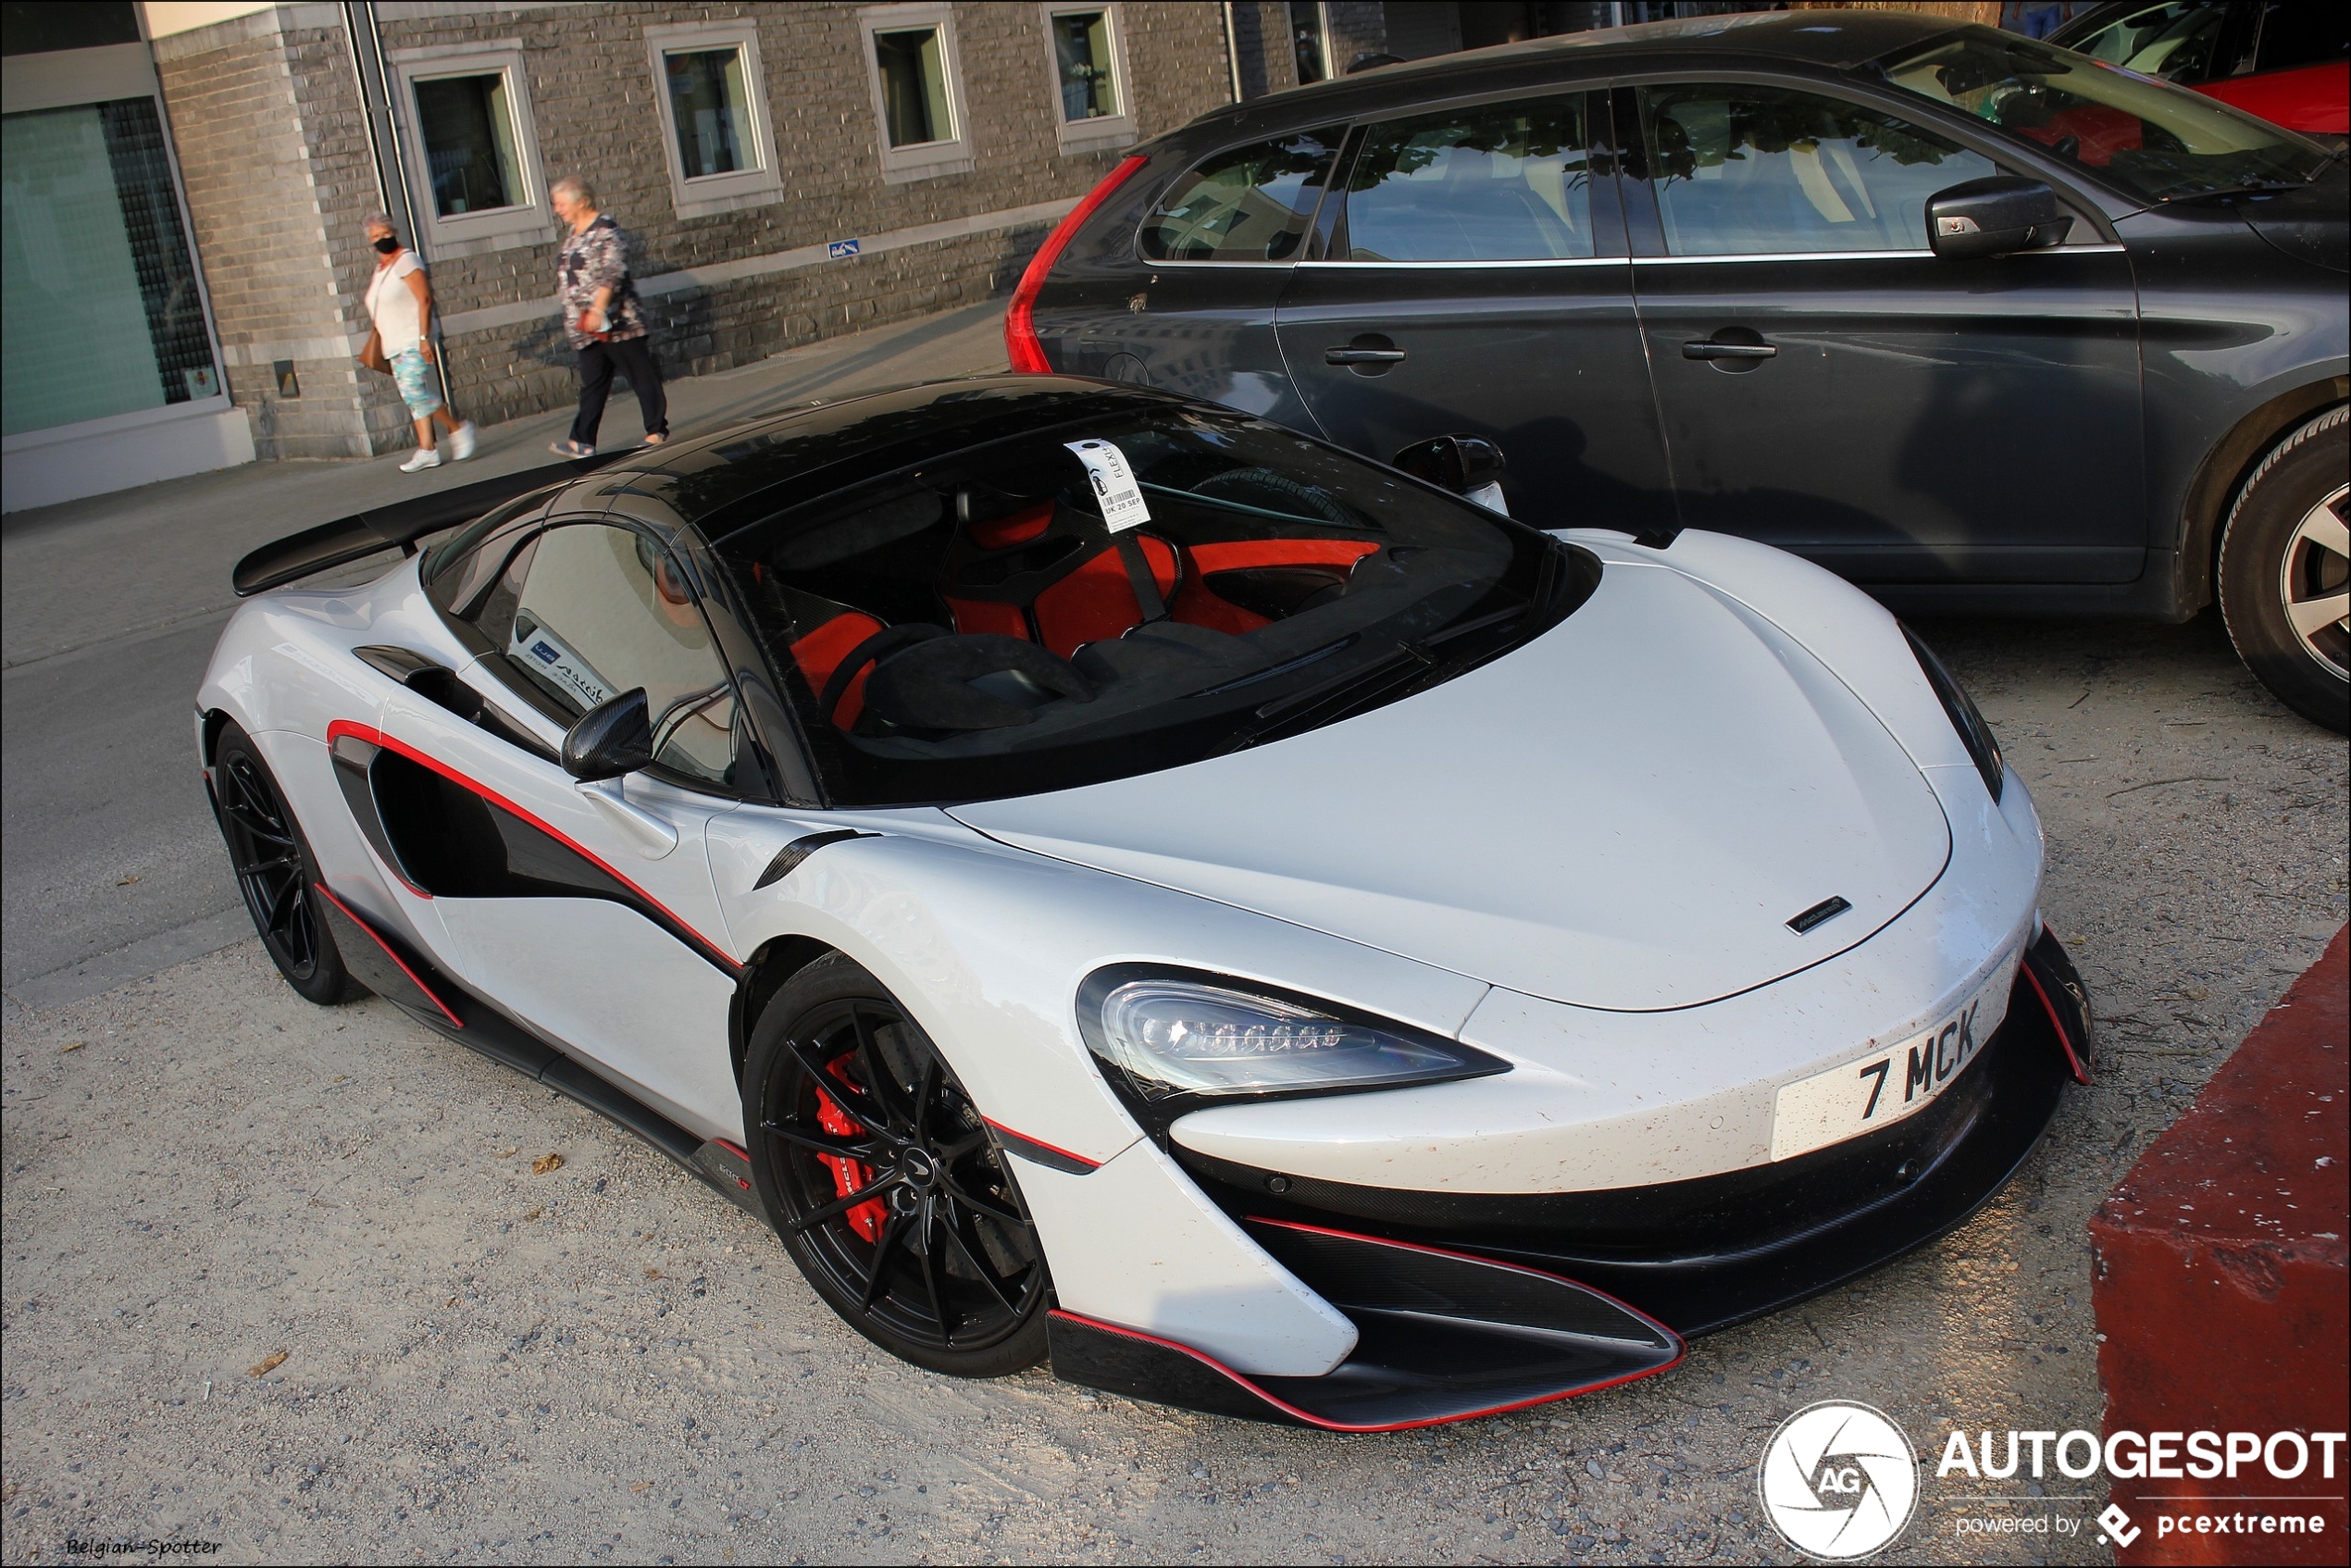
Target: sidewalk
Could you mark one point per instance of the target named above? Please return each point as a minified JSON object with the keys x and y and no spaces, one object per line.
{"x":111,"y":605}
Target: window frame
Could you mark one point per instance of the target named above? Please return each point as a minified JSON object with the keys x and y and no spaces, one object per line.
{"x":530,"y":222}
{"x":704,"y":195}
{"x":925,"y":160}
{"x":1106,"y":131}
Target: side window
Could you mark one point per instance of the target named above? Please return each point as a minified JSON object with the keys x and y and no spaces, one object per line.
{"x":588,"y":611}
{"x":2302,"y":34}
{"x":1245,"y":204}
{"x":2177,"y":42}
{"x":1745,"y":170}
{"x":1497,"y":183}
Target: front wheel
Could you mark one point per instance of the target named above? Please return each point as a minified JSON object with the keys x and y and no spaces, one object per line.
{"x":884,"y":1182}
{"x":276,"y":873}
{"x":2286,"y":571}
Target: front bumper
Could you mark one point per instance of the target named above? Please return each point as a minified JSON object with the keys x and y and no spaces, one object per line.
{"x":1701,"y":1255}
{"x":1468,"y":1304}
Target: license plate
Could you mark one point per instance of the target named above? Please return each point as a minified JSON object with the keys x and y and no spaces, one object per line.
{"x":1880,"y":1089}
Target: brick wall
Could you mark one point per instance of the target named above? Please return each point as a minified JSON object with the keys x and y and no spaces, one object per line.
{"x":267,"y":112}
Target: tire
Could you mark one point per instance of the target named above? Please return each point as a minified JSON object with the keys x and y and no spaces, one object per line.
{"x":845,"y":1094}
{"x":276,"y":873}
{"x":2285,"y":563}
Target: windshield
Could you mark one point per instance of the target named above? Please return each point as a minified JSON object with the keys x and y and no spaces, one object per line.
{"x":2158,"y":142}
{"x":975,"y":627}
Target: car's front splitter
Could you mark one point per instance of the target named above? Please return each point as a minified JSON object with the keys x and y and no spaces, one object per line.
{"x":1442,"y":1336}
{"x":1699,"y":1256}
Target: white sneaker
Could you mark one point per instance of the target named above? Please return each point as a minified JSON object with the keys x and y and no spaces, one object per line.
{"x":461,"y":442}
{"x":426,"y":457}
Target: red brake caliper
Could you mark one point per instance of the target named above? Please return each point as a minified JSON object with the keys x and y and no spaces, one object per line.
{"x":866,"y":1218}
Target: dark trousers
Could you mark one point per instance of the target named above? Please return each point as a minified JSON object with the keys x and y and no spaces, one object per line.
{"x":597,"y":363}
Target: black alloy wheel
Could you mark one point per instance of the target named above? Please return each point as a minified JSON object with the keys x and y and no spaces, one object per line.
{"x":273,"y":869}
{"x":884,"y":1182}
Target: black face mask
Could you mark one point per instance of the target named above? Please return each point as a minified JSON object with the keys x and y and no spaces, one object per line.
{"x":387,"y":244}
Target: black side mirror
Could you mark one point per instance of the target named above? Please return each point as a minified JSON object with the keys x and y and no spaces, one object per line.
{"x":1468,"y":465}
{"x":1996,"y":217}
{"x":613,"y":737}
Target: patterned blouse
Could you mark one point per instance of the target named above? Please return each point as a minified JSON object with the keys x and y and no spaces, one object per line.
{"x":594,"y":258}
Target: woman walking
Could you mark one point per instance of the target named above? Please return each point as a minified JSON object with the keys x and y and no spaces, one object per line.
{"x":399,"y":303}
{"x":603,"y":320}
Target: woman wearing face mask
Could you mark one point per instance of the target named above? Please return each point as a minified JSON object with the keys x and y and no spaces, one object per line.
{"x":399,"y":303}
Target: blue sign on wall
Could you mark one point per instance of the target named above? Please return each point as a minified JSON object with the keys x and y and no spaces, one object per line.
{"x":840,"y":248}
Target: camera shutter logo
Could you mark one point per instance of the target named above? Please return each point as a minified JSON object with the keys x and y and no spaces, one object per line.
{"x":1839,"y":1480}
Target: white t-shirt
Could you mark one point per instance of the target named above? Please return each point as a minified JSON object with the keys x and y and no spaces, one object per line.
{"x":392,"y":304}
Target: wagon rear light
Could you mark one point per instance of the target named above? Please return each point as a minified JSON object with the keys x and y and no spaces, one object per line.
{"x":1974,"y":733}
{"x":1028,"y":354}
{"x":1174,"y":1037}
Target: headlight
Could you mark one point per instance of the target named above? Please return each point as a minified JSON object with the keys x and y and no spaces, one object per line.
{"x":1973,"y":732}
{"x":1171,"y":1036}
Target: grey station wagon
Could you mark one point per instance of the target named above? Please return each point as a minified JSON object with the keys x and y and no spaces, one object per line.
{"x":1981,"y":324}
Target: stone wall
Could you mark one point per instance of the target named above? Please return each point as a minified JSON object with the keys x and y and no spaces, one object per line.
{"x":267,"y":113}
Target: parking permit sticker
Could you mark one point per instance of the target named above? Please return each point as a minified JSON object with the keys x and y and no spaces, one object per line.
{"x":1114,"y":485}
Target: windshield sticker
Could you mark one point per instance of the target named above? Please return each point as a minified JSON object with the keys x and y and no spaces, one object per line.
{"x":1114,"y":485}
{"x":555,"y":659}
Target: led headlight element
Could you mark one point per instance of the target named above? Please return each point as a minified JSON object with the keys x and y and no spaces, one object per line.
{"x":1172,"y":1034}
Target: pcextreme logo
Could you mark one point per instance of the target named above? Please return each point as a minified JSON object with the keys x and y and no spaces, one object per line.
{"x":1839,"y":1480}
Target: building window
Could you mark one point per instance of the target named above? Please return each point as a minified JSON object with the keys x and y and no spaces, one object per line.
{"x":468,"y":131}
{"x":909,"y":56}
{"x":105,"y":315}
{"x":714,"y":110}
{"x":1090,"y":77}
{"x":1081,"y":53}
{"x":712,"y":114}
{"x":914,"y":88}
{"x":1307,"y":41}
{"x":473,"y":163}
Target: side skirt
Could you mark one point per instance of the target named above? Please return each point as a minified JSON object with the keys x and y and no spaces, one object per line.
{"x":404,"y":978}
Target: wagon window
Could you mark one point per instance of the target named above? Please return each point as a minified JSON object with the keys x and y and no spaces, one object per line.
{"x":1245,"y":204}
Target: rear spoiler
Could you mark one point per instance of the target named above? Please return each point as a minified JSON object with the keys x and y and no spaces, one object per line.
{"x":396,"y":527}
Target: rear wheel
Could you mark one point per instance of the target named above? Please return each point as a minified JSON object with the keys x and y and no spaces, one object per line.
{"x":276,"y":873}
{"x":884,"y":1182}
{"x":2286,"y":571}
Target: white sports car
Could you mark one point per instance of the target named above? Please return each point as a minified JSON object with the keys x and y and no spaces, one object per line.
{"x":1105,"y":876}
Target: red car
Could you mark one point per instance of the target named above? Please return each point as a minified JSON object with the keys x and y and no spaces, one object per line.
{"x":2288,"y":61}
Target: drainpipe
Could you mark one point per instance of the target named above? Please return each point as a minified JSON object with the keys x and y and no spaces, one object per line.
{"x":1232,"y":49}
{"x":383,"y":137}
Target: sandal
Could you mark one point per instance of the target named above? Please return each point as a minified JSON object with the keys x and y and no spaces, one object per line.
{"x":656,"y":438}
{"x":571,"y":449}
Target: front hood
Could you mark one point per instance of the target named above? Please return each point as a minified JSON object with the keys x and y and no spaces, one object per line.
{"x":1625,"y":814}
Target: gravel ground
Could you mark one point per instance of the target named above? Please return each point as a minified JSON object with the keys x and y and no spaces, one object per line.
{"x":287,"y":1280}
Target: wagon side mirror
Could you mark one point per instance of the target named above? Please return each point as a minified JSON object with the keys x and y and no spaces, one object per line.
{"x":1471,"y":467}
{"x":613,"y":737}
{"x":1992,"y":218}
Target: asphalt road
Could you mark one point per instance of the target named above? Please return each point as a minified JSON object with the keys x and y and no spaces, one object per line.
{"x":603,"y":1362}
{"x":112,"y":868}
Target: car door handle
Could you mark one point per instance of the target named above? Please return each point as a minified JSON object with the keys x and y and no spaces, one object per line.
{"x":1729,"y":351}
{"x":1362,"y":356}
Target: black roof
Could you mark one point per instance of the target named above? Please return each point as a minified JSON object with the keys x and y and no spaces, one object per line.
{"x":749,"y":471}
{"x":1822,"y":40}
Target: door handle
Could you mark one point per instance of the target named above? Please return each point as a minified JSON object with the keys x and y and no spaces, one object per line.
{"x":1362,"y":356}
{"x":1708,"y":350}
